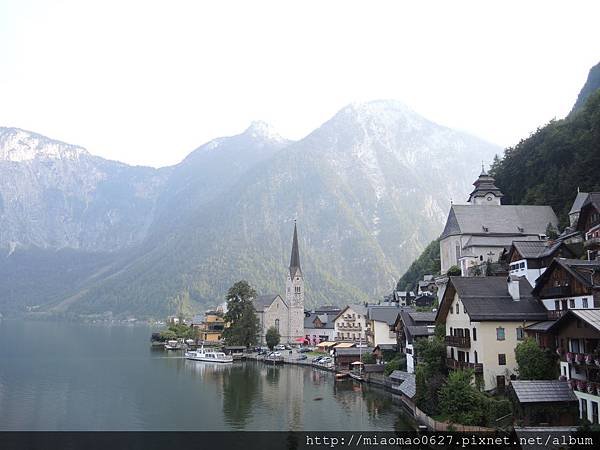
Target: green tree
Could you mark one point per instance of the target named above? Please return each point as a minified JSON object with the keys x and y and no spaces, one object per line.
{"x":241,"y":317}
{"x":454,"y":271}
{"x":272,"y":337}
{"x":460,"y":401}
{"x":533,"y":362}
{"x":551,"y":231}
{"x":431,"y":370}
{"x":398,"y":363}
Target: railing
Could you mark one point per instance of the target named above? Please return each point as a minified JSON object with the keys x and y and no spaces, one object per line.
{"x":592,"y":243}
{"x":454,"y":364}
{"x":581,"y":358}
{"x":556,"y":314}
{"x":458,"y":341}
{"x":557,"y":291}
{"x":589,"y":387}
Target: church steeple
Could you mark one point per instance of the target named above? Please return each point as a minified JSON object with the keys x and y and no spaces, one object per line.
{"x":295,"y":258}
{"x":485,"y":192}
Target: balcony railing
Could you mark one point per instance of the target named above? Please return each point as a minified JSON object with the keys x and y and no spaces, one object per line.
{"x":458,"y":341}
{"x":581,"y":358}
{"x":454,"y":364}
{"x":556,"y":314}
{"x":557,"y":291}
{"x":589,"y":387}
{"x":592,"y":243}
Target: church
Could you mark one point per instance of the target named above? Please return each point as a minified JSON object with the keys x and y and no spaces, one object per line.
{"x":285,"y":314}
{"x":483,"y":228}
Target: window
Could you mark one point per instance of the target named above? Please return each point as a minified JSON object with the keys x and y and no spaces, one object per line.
{"x":451,"y":332}
{"x":501,"y":359}
{"x":583,"y":408}
{"x":594,"y":412}
{"x":571,"y":303}
{"x":474,"y":334}
{"x":522,"y":265}
{"x":452,"y":309}
{"x":584,"y":302}
{"x":457,"y":308}
{"x":500,"y":336}
{"x":475,"y":356}
{"x":277,"y":324}
{"x":520,"y":334}
{"x":297,"y":289}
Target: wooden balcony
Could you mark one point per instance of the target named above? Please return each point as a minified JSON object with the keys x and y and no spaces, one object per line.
{"x":592,"y":243}
{"x":454,"y":364}
{"x":458,"y":341}
{"x":557,"y":291}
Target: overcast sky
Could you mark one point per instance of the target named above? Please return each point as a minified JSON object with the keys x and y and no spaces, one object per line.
{"x":146,"y":82}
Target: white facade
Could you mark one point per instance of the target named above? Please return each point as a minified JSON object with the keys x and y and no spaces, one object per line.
{"x":520,"y":269}
{"x":351,"y":325}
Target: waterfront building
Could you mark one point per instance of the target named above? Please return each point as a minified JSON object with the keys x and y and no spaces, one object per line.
{"x":543,"y":403}
{"x":319,"y":325}
{"x":485,"y":319}
{"x":210,"y":329}
{"x":409,"y":326}
{"x":578,"y":344}
{"x":351,"y":323}
{"x":380,"y":325}
{"x":286,"y":315}
{"x":476,"y":234}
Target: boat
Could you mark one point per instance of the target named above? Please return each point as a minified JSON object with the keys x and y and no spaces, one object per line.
{"x":341,"y":375}
{"x":273,"y":358}
{"x":208,"y":355}
{"x":357,"y":374}
{"x":173,"y":345}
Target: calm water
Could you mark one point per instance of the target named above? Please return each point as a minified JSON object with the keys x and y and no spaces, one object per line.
{"x":64,"y":376}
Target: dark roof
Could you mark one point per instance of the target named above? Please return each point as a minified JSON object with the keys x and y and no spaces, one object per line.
{"x":517,"y":220}
{"x":353,"y":351}
{"x":590,"y":316}
{"x":357,"y":308}
{"x":325,"y":318}
{"x":542,"y":391}
{"x":485,"y":185}
{"x":540,"y":249}
{"x":386,"y":347}
{"x":422,"y":316}
{"x":419,"y":331}
{"x":386,"y":314}
{"x":295,"y":258}
{"x":407,"y":382}
{"x":262,"y":302}
{"x":541,"y":326}
{"x":578,"y":202}
{"x":592,"y":201}
{"x":488,"y":299}
{"x":580,"y":269}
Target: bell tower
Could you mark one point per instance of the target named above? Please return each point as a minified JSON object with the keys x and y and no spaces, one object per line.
{"x":485,"y":192}
{"x":294,"y":291}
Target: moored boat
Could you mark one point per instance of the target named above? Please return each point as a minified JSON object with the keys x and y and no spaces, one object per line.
{"x":173,"y":345}
{"x":208,"y":355}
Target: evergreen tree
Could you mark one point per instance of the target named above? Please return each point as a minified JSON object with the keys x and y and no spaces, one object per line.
{"x":533,"y":362}
{"x":272,"y":337}
{"x":241,"y":317}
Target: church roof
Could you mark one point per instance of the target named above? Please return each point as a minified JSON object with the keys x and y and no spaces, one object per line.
{"x":578,"y":202}
{"x":295,"y":258}
{"x":262,"y":302}
{"x":486,"y":220}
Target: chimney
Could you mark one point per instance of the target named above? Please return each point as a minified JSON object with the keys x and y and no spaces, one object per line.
{"x":513,"y":287}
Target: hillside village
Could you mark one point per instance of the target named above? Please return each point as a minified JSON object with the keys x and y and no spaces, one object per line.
{"x":508,"y":279}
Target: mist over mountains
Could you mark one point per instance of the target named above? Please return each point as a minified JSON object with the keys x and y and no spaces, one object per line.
{"x":369,"y":189}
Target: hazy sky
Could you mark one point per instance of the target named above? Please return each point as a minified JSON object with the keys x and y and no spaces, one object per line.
{"x":146,"y":82}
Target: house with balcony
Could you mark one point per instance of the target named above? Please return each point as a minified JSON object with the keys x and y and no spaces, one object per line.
{"x":485,"y":319}
{"x":411,"y":325}
{"x":350,"y":324}
{"x":569,"y":284}
{"x":588,"y":224}
{"x":210,"y":329}
{"x":426,"y":286}
{"x":530,"y":259}
{"x":380,"y":325}
{"x":578,"y":338}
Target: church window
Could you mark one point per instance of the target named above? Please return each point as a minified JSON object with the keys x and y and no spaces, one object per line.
{"x":297,"y":289}
{"x":277,"y":324}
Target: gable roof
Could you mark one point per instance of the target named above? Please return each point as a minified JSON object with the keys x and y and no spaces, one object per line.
{"x":543,"y":391}
{"x":578,"y":202}
{"x":580,"y":269}
{"x":407,"y":382}
{"x":422,"y":316}
{"x":589,"y":316}
{"x":387,"y":314}
{"x":357,"y":308}
{"x":325,"y":318}
{"x":415,"y":323}
{"x":262,"y":302}
{"x":488,"y":299}
{"x":517,"y":220}
{"x":592,"y":201}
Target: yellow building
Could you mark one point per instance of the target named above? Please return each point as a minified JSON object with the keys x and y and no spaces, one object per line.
{"x":484,"y":319}
{"x":211,"y":328}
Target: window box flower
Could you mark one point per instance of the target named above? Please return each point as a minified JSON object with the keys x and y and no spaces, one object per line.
{"x":581,"y":385}
{"x":579,"y":357}
{"x":570,"y":357}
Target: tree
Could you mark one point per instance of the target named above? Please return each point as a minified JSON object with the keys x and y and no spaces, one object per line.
{"x":241,"y":317}
{"x":533,"y":362}
{"x":431,"y":370}
{"x":272,"y":337}
{"x":454,"y":271}
{"x":551,"y":231}
{"x":460,"y":402}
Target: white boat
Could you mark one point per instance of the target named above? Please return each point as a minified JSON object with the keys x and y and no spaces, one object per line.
{"x":173,"y":345}
{"x":208,"y":355}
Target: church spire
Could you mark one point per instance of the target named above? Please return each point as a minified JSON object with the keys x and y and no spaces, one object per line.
{"x":295,"y":259}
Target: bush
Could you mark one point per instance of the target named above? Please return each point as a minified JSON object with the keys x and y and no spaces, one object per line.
{"x":367,"y":358}
{"x":454,"y":271}
{"x":398,"y":363}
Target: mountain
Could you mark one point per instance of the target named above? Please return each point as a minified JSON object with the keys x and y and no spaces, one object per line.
{"x":369,"y":189}
{"x":591,"y":85}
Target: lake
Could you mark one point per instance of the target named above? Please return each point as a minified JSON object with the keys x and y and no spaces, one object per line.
{"x":70,"y":376}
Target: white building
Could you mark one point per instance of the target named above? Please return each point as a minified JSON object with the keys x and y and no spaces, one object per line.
{"x":351,"y":324}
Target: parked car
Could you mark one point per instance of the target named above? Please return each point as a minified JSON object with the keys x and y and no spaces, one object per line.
{"x":279,"y":347}
{"x":303,"y":350}
{"x":302,"y":357}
